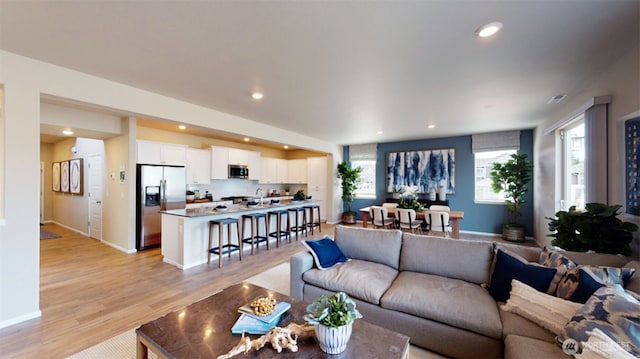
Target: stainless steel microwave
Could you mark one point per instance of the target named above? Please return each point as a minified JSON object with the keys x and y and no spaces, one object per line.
{"x":238,"y":171}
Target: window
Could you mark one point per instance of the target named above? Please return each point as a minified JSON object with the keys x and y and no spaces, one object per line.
{"x":484,"y":163}
{"x":572,"y":138}
{"x":487,"y":149}
{"x":365,"y":156}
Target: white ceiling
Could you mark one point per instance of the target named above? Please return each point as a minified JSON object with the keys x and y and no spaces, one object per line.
{"x":338,"y":70}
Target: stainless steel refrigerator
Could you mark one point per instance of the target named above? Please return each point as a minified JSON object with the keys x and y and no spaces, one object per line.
{"x":159,"y":188}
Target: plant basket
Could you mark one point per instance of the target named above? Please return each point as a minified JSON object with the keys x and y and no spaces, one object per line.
{"x":349,"y":218}
{"x":513,"y":233}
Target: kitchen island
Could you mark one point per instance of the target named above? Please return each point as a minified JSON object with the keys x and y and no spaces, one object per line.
{"x":185,"y":232}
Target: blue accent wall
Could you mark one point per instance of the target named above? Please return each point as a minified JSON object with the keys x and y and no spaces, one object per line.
{"x":478,"y":217}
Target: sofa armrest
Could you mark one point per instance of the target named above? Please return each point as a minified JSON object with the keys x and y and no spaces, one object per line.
{"x":300,"y":263}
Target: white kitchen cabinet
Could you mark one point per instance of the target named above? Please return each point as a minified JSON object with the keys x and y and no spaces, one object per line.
{"x":297,"y":171}
{"x":198,"y":166}
{"x":239,"y":157}
{"x":268,"y":170}
{"x":282,"y":171}
{"x":219,"y":162}
{"x":317,"y":182}
{"x":157,"y":153}
{"x":255,"y":165}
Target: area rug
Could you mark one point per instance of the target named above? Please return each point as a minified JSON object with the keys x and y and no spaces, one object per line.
{"x":123,"y":346}
{"x":44,"y":234}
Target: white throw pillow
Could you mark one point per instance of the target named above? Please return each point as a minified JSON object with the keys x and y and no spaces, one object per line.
{"x":549,"y":312}
{"x":600,"y":346}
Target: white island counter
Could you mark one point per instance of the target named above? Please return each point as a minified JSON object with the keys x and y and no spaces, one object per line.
{"x":185,"y":232}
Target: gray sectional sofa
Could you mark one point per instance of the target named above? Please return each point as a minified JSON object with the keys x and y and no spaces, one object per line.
{"x":433,"y":290}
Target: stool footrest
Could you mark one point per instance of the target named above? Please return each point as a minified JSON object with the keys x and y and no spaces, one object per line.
{"x":282,"y":234}
{"x":259,"y":239}
{"x":229,"y":249}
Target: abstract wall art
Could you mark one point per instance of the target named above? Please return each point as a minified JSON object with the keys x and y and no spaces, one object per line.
{"x":632,"y":164}
{"x":75,"y":176}
{"x":426,"y":169}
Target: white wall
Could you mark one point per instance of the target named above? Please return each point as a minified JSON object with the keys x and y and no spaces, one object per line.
{"x":622,"y":82}
{"x":24,"y":82}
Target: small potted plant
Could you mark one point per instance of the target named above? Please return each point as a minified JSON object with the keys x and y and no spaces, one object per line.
{"x":333,"y":316}
{"x":408,"y":198}
{"x":350,"y":177}
{"x":286,"y":190}
{"x":512,"y":177}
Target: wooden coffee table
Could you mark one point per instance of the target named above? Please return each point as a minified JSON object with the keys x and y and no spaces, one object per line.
{"x":203,"y":330}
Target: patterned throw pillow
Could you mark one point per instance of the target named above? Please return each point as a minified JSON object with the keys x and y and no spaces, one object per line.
{"x":551,"y":258}
{"x":612,"y":310}
{"x":580,"y":282}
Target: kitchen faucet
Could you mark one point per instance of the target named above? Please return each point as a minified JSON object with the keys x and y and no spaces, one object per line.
{"x":259,"y":190}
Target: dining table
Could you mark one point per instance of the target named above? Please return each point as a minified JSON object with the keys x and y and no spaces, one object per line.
{"x":454,"y":217}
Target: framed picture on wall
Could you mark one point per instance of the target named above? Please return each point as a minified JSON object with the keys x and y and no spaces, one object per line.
{"x":64,"y":176}
{"x":75,"y":176}
{"x":426,"y":169}
{"x":56,"y":176}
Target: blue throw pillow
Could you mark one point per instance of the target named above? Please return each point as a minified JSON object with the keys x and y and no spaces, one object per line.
{"x":325,"y":252}
{"x":587,"y":285}
{"x":510,"y":267}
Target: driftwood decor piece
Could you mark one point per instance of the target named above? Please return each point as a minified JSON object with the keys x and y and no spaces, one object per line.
{"x":280,"y":338}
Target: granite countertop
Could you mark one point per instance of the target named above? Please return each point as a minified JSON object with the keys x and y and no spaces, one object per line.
{"x":234,"y":209}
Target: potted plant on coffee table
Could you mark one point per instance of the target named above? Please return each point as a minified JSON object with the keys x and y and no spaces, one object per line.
{"x":350,"y":177}
{"x":333,"y":317}
{"x":512,"y":177}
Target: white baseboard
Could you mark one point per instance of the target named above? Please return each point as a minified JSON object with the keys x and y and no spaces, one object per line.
{"x":121,"y":249}
{"x":69,"y":228}
{"x":20,"y":319}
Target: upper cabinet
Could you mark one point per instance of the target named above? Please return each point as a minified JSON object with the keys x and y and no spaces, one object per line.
{"x":297,"y":171}
{"x":198,"y":166}
{"x":157,"y":153}
{"x":219,"y":162}
{"x":255,"y":165}
{"x":239,"y":157}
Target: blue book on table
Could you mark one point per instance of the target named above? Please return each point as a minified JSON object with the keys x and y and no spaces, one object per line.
{"x":281,"y":307}
{"x":251,"y":325}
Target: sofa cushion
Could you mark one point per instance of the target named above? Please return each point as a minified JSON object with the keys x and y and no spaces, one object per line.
{"x":514,"y":324}
{"x":445,"y":300}
{"x":510,"y":266}
{"x":612,"y":310}
{"x":433,"y":255}
{"x":374,"y":245}
{"x":599,"y":259}
{"x":360,"y":279}
{"x":520,"y":347}
{"x":325,"y":252}
{"x":543,"y":309}
{"x":531,"y":254}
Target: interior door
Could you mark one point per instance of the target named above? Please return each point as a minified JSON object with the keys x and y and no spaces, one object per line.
{"x":95,"y":196}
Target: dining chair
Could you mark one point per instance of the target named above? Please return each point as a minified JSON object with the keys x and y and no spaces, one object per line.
{"x":380,"y":217}
{"x":407,"y":220}
{"x":437,"y":207}
{"x":438,"y":222}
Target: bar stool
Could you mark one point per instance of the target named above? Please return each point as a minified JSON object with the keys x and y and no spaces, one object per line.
{"x":220,"y":249}
{"x":255,"y":238}
{"x":294,"y":213}
{"x":279,"y":232}
{"x":313,"y":221}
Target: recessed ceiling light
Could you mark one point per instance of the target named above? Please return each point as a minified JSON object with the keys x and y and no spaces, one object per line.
{"x":257,"y":95}
{"x":285,"y":147}
{"x":431,"y":126}
{"x":67,"y":132}
{"x":182,"y":127}
{"x":246,"y":139}
{"x":489,"y":29}
{"x":379,"y":132}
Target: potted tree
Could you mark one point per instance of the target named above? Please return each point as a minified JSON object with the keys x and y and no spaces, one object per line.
{"x":597,"y":228}
{"x":512,"y":177}
{"x":350,"y":177}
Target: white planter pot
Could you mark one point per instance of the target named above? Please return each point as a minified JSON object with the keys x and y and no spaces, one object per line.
{"x":333,"y":340}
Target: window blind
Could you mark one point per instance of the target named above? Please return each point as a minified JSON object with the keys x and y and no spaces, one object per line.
{"x":366,"y":152}
{"x":497,"y":141}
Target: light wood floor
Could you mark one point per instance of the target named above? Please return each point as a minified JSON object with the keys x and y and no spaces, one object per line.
{"x":90,"y":292}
